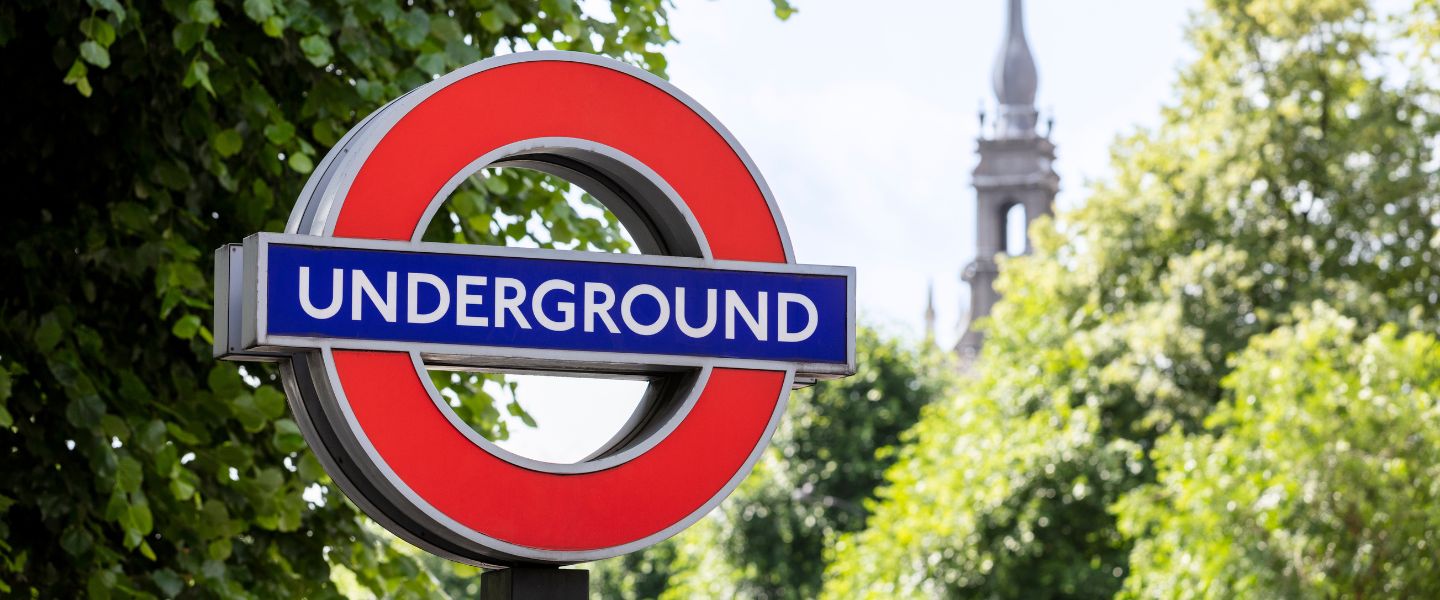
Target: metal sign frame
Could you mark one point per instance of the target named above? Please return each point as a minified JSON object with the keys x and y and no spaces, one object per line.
{"x":378,"y":425}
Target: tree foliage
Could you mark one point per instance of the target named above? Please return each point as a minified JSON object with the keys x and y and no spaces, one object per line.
{"x":1294,"y":166}
{"x":140,"y":135}
{"x":1319,"y":477}
{"x":770,"y":539}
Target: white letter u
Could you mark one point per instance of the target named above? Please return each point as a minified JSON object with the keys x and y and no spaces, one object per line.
{"x":336,"y":295}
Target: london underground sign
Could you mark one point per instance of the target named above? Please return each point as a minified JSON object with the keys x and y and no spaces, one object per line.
{"x":715,"y":314}
{"x":555,"y":307}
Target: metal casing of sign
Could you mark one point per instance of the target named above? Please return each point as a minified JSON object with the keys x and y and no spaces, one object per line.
{"x":715,"y":314}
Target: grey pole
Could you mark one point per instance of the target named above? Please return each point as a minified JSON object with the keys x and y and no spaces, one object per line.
{"x":535,"y":583}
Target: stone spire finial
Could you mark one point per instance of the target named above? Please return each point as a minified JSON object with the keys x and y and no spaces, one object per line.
{"x":1014,"y":78}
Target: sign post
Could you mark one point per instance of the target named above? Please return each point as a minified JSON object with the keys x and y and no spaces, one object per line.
{"x":715,"y":314}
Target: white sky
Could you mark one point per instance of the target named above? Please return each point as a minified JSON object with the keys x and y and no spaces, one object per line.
{"x":862,"y":117}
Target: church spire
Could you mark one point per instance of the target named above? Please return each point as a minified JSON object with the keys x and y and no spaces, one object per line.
{"x":930,"y":314}
{"x":1014,"y":79}
{"x":1014,"y":175}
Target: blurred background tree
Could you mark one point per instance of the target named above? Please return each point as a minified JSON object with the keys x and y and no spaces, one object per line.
{"x":770,"y":538}
{"x":1298,"y":164}
{"x":139,"y":136}
{"x":1318,"y":476}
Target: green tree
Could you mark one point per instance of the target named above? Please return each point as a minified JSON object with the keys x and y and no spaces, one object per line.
{"x":1295,"y":165}
{"x":1319,"y":477}
{"x":140,"y":135}
{"x":770,"y":539}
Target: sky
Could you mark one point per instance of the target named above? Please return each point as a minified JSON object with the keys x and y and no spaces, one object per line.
{"x":862,"y":116}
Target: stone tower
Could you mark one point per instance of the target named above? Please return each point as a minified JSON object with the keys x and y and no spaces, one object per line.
{"x":1015,"y":170}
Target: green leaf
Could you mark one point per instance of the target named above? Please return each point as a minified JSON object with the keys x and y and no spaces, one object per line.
{"x":173,"y":175}
{"x":259,"y":10}
{"x":113,"y":6}
{"x":169,"y":583}
{"x":115,"y":506}
{"x":492,"y":21}
{"x":99,"y":30}
{"x":199,"y":72}
{"x":227,"y":142}
{"x":183,"y":485}
{"x":515,"y":410}
{"x":268,"y":481}
{"x":479,"y":223}
{"x":219,"y":549}
{"x":432,"y":63}
{"x":179,"y":433}
{"x":310,"y":468}
{"x":85,"y":411}
{"x":317,"y":50}
{"x":291,"y":511}
{"x":497,"y":185}
{"x":47,"y":335}
{"x":279,"y":133}
{"x":166,"y":460}
{"x":224,"y":380}
{"x":287,"y":437}
{"x":76,"y":541}
{"x":203,"y":11}
{"x":245,"y":410}
{"x":6,"y":420}
{"x":446,"y":29}
{"x":131,"y":216}
{"x":128,"y":475}
{"x":213,"y":569}
{"x":76,"y":77}
{"x":95,"y":54}
{"x":137,"y":522}
{"x":270,"y":402}
{"x":186,"y":327}
{"x":186,"y":35}
{"x":151,"y":436}
{"x":274,"y":26}
{"x":572,"y":30}
{"x":100,"y":584}
{"x":215,"y":518}
{"x":112,"y":426}
{"x":783,"y":10}
{"x":328,"y":131}
{"x":301,"y":163}
{"x":461,"y":53}
{"x":414,"y":28}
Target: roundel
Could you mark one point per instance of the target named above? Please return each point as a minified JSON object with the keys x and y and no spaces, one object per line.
{"x":689,"y":195}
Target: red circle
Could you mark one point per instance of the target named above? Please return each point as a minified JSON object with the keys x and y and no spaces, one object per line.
{"x":559,"y":512}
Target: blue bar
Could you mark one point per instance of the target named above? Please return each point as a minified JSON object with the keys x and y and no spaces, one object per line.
{"x":385,"y":313}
